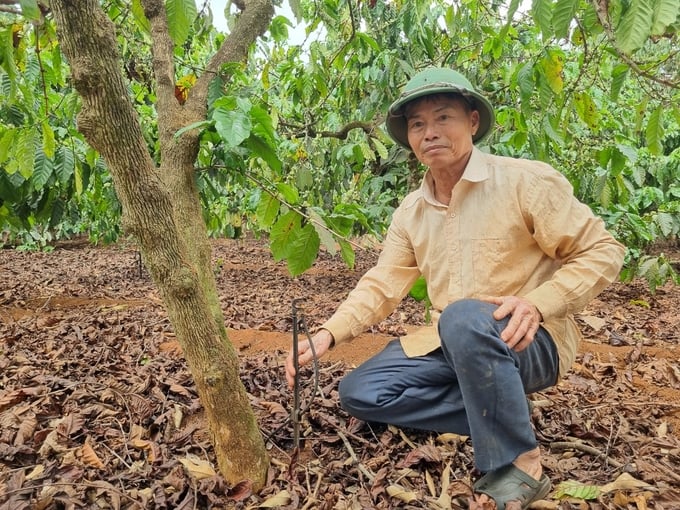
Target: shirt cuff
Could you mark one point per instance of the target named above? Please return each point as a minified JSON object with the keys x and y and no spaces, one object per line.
{"x":548,"y":301}
{"x":339,"y":329}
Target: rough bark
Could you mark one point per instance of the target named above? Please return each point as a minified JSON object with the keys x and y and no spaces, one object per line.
{"x":161,"y":207}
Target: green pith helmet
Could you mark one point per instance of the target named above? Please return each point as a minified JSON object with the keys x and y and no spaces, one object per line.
{"x":438,"y":80}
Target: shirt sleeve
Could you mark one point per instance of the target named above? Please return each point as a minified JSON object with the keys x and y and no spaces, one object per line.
{"x":380,"y":289}
{"x":568,"y":231}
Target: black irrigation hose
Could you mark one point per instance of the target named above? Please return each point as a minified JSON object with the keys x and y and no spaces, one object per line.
{"x":296,"y":413}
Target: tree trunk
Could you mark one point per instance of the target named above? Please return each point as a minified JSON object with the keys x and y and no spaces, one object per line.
{"x":161,"y":207}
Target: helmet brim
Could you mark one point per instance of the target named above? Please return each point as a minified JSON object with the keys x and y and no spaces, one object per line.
{"x":396,"y":121}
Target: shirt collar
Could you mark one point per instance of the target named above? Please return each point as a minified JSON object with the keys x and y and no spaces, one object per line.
{"x":475,"y":171}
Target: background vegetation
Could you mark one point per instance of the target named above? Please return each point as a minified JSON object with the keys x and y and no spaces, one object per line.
{"x":295,"y":147}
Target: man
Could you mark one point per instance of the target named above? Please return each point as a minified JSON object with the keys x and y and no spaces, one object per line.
{"x":508,"y":254}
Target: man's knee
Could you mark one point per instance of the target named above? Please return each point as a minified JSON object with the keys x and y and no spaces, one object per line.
{"x":467,"y":313}
{"x":463,"y":323}
{"x":463,"y":309}
{"x":349,"y":392}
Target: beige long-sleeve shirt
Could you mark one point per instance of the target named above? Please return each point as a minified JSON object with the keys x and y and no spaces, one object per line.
{"x":512,"y":227}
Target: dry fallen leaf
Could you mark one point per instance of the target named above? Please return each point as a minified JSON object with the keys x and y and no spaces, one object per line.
{"x":424,"y":453}
{"x":624,"y":482}
{"x":280,"y":499}
{"x":444,"y":501}
{"x":89,"y":457}
{"x":450,"y":437}
{"x":36,"y":472}
{"x":198,"y":468}
{"x":596,"y":323}
{"x":400,"y":493}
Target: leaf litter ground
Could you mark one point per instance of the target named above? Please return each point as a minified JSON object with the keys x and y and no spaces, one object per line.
{"x":98,"y":410}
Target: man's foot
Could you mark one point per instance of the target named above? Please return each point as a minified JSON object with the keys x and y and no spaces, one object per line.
{"x":513,"y":487}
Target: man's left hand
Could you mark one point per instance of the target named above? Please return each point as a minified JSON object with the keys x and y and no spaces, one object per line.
{"x":525,"y":319}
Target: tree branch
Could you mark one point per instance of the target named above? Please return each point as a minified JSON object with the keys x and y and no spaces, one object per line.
{"x":252,"y":23}
{"x":341,"y":134}
{"x":603,"y":16}
{"x":163,"y":68}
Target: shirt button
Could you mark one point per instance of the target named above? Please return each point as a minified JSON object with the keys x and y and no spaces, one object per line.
{"x":453,"y":214}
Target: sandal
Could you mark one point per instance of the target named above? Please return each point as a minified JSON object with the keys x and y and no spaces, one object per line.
{"x":510,"y":483}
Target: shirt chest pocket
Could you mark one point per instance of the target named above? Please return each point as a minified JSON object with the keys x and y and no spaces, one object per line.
{"x":496,"y":266}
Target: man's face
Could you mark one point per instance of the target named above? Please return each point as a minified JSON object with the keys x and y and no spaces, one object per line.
{"x":440,"y":130}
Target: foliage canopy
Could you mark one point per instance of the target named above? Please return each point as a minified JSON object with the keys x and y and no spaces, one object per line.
{"x":294,"y":144}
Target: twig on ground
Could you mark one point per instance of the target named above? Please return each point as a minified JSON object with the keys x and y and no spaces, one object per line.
{"x":313,"y":495}
{"x":668,"y":471}
{"x":367,"y":472}
{"x":565,"y":445}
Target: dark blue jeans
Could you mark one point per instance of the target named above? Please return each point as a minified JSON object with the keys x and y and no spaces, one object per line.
{"x":474,"y":385}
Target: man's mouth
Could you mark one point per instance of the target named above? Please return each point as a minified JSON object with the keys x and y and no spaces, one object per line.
{"x":433,"y":148}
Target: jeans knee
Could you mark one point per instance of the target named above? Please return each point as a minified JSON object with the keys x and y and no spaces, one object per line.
{"x":463,"y":323}
{"x":349,"y":392}
{"x":467,"y":313}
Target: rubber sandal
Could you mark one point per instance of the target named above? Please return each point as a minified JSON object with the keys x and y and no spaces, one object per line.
{"x":512,"y":484}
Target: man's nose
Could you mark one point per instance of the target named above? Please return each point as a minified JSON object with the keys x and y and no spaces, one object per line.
{"x":431,"y":132}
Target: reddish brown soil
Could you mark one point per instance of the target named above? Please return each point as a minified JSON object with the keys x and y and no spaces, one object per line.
{"x":82,"y":327}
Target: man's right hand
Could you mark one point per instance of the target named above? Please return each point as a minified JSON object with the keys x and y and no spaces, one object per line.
{"x":323,"y":339}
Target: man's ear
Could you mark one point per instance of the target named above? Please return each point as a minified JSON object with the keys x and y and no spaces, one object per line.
{"x":474,"y":121}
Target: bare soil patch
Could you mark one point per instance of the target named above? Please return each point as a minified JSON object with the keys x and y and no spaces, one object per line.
{"x":98,"y":410}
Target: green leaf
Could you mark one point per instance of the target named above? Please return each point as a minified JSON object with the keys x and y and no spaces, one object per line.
{"x":552,"y":65}
{"x":340,"y":224}
{"x":619,"y":75}
{"x":525,"y":80}
{"x":48,"y":139}
{"x":7,"y":58}
{"x":263,"y":124}
{"x":195,"y":125}
{"x":551,"y":132}
{"x":635,"y":26}
{"x":573,"y":489}
{"x":279,"y":28}
{"x":322,"y":229}
{"x":562,"y":16}
{"x":666,"y":13}
{"x":42,"y":171}
{"x":654,"y":131}
{"x":290,"y":194}
{"x":264,"y":150}
{"x":283,"y":233}
{"x":30,"y":10}
{"x":181,"y":15}
{"x":666,"y":222}
{"x":7,"y":141}
{"x":380,"y":148}
{"x":347,"y":252}
{"x":267,"y":210}
{"x":541,"y":10}
{"x":22,"y":153}
{"x":78,"y":176}
{"x":64,"y":164}
{"x":303,"y":251}
{"x":419,"y":290}
{"x":233,"y":125}
{"x":366,"y":151}
{"x":296,"y":9}
{"x":587,"y":110}
{"x":512,"y":9}
{"x":140,"y":17}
